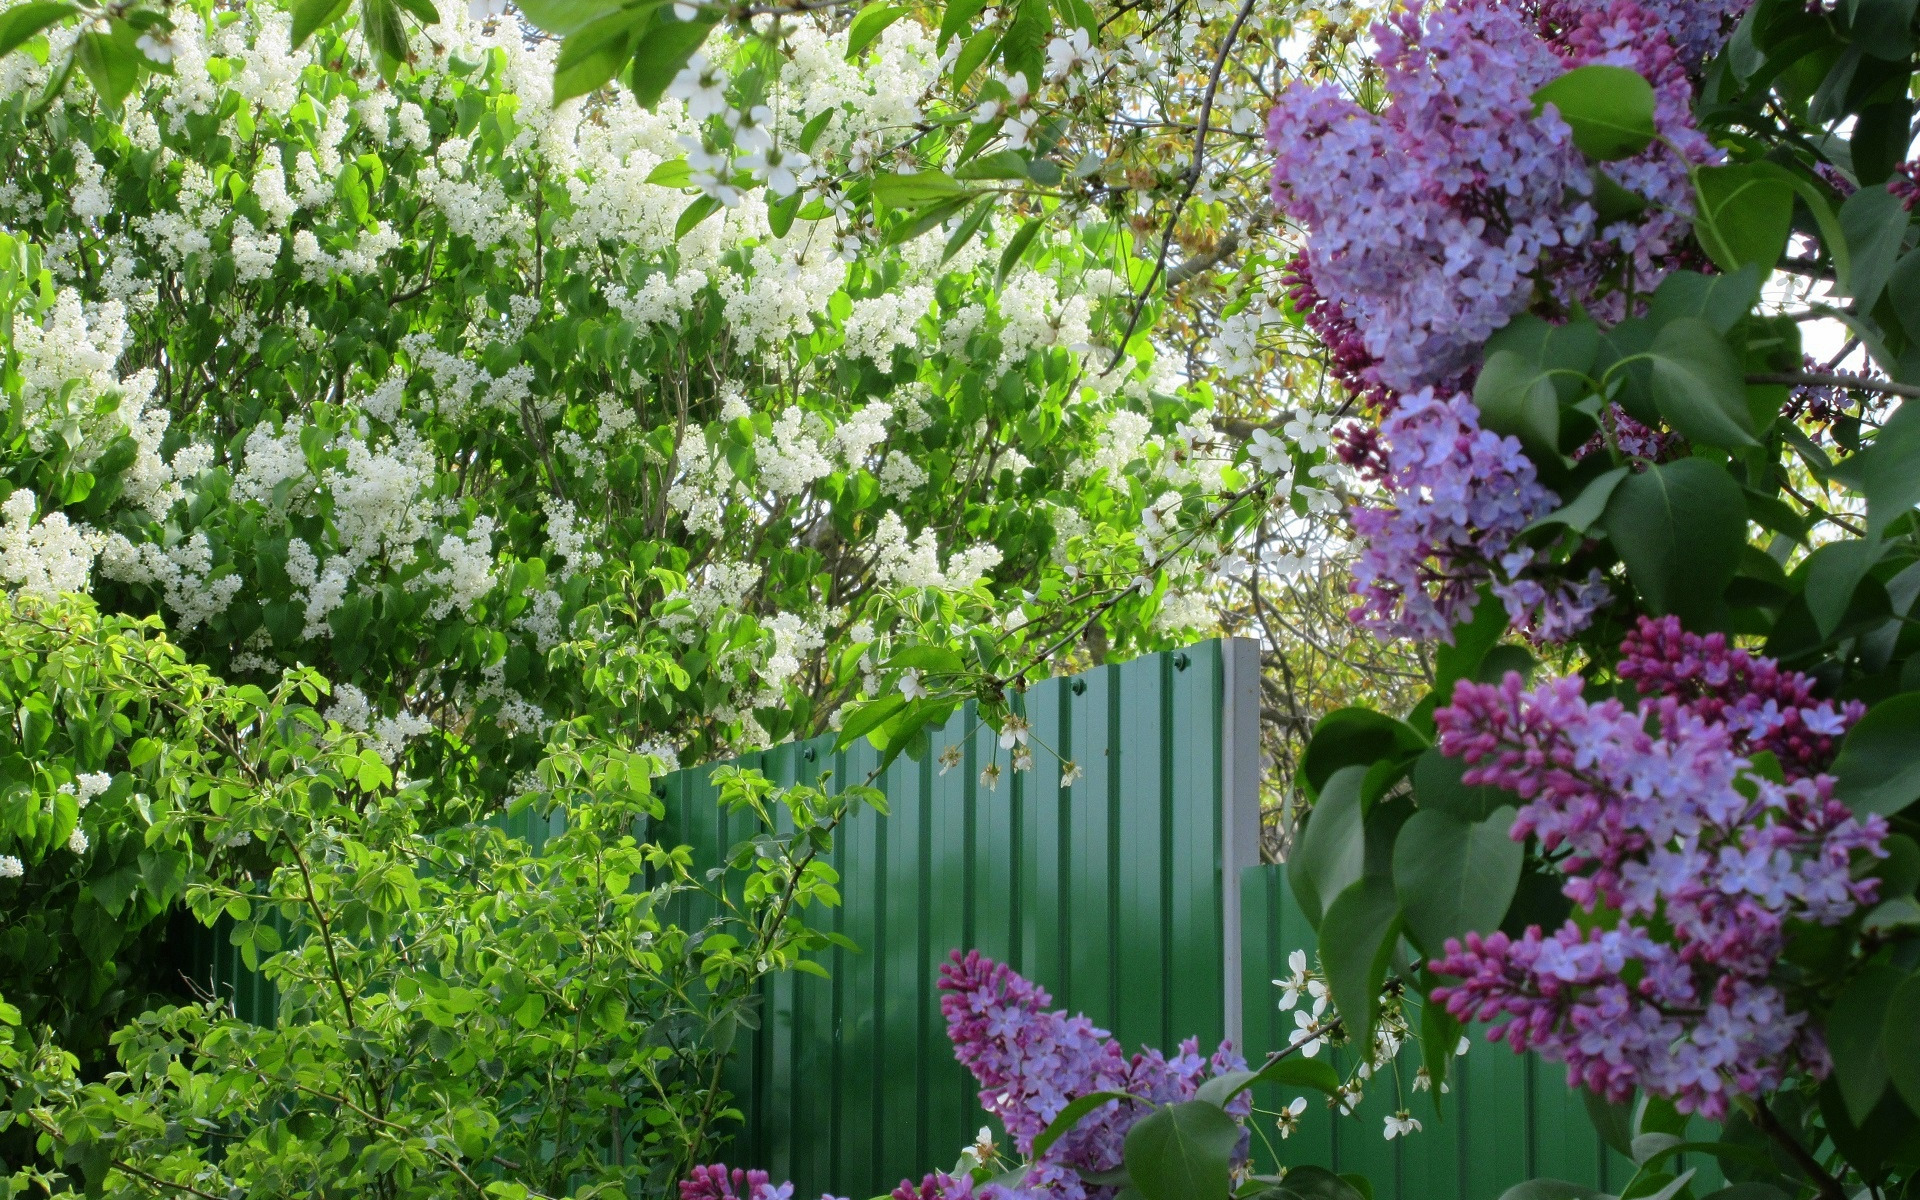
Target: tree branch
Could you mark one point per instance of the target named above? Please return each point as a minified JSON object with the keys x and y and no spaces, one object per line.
{"x":1858,"y":383}
{"x":1195,"y":169}
{"x":1827,"y":1187}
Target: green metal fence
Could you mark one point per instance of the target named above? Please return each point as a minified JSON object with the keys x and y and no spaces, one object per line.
{"x":1134,"y":896}
{"x":1119,"y":892}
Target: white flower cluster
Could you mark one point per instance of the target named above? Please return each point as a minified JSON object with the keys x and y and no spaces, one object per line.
{"x":915,"y":562}
{"x":47,"y":557}
{"x":388,"y":736}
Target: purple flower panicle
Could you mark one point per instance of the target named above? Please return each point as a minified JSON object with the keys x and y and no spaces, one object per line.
{"x":1660,"y":820}
{"x":715,"y":1182}
{"x":1456,"y":495}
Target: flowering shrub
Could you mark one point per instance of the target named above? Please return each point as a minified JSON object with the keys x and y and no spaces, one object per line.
{"x":1558,"y":267}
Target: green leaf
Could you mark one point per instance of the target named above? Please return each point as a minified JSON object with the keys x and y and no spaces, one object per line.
{"x":917,"y":190}
{"x":1075,"y":1111}
{"x":1455,"y":877}
{"x":1884,"y":471}
{"x":110,"y":60}
{"x":862,"y":719}
{"x":1679,"y":528}
{"x":564,"y":16}
{"x":1903,"y":290}
{"x":663,"y":49}
{"x":1516,"y":397}
{"x":1023,"y":47}
{"x":1332,"y":851}
{"x":868,"y":24}
{"x":968,"y":228}
{"x":1001,"y":164}
{"x":934,"y":660}
{"x":1700,"y":386}
{"x":811,"y":132}
{"x":1583,"y":510}
{"x":1182,"y":1152}
{"x":1722,"y":301}
{"x":1874,"y":221}
{"x":1853,"y":1037}
{"x":694,"y":213}
{"x":1293,"y":1071}
{"x":1742,"y":214}
{"x":385,"y":31}
{"x":1564,"y":353}
{"x":673,"y":173}
{"x":1078,"y":14}
{"x":1831,"y":575}
{"x":1352,"y":735}
{"x":1356,"y":944}
{"x":1309,"y":1182}
{"x":22,"y":22}
{"x":1900,"y":1038}
{"x":1461,"y":658}
{"x":1613,"y":1122}
{"x":1879,"y":764}
{"x":1017,"y":248}
{"x":973,"y":53}
{"x":1610,"y":110}
{"x":1440,"y":1032}
{"x":958,"y":18}
{"x":592,"y":55}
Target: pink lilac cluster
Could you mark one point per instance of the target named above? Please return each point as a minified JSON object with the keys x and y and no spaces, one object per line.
{"x":717,"y":1183}
{"x":1031,"y":1062}
{"x":1765,"y":708}
{"x":1658,"y":816}
{"x":1456,"y":495}
{"x":1429,"y":220}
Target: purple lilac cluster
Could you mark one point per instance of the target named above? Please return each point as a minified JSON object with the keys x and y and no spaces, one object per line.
{"x":717,"y":1183}
{"x":1906,"y":183}
{"x":1348,"y":359}
{"x":1641,"y":37}
{"x":1696,"y":29}
{"x":1659,"y":816}
{"x":1457,"y":494}
{"x":1031,"y":1062}
{"x":1430,"y":219}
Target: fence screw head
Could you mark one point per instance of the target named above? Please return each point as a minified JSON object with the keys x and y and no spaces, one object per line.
{"x":810,"y":753}
{"x":1181,"y":661}
{"x":1079,"y":687}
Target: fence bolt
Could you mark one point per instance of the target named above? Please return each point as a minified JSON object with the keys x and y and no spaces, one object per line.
{"x":1079,"y":687}
{"x":1180,"y":661}
{"x":810,"y":753}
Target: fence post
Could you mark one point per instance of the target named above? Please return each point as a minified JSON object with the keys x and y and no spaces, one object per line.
{"x":1239,"y":807}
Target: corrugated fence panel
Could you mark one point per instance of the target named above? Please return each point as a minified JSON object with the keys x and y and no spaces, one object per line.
{"x":1507,"y":1117}
{"x":1110,"y":892}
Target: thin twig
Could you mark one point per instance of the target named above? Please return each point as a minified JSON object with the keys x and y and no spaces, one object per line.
{"x":1824,"y":1183}
{"x":1857,"y":383}
{"x":1195,"y":168}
